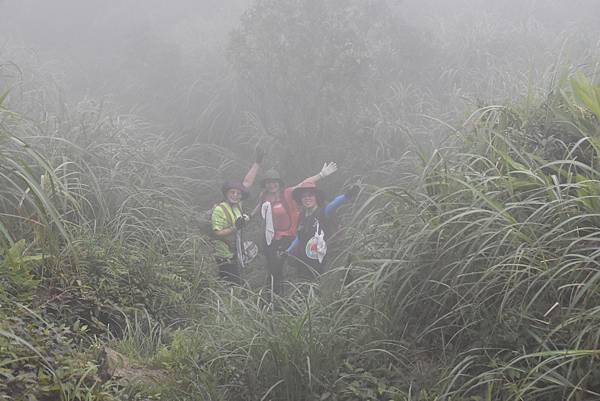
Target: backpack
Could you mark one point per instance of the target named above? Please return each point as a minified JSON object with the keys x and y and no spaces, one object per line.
{"x":204,"y":219}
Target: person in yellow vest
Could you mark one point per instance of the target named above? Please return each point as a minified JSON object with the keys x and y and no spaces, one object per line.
{"x":228,"y":219}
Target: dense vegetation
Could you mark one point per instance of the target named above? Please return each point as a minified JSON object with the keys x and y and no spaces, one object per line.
{"x":468,"y":268}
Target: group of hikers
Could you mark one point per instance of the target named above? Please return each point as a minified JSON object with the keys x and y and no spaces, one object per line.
{"x":296,"y":221}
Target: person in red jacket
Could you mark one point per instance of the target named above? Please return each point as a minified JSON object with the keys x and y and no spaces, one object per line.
{"x":280,"y":215}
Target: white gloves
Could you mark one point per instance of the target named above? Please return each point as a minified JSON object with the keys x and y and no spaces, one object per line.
{"x":328,"y":169}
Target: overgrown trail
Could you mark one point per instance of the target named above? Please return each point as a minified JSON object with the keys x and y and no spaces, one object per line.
{"x":467,"y":269}
{"x":475,"y":278}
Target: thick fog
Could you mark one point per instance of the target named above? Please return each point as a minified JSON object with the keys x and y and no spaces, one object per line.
{"x":134,"y":50}
{"x":231,"y":72}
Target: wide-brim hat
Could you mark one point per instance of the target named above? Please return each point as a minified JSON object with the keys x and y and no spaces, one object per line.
{"x":271,"y":175}
{"x":227,"y":185}
{"x":305,"y":187}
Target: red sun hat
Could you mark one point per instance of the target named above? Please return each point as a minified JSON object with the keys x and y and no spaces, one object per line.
{"x":305,"y":187}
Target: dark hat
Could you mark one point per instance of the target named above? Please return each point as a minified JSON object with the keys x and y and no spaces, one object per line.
{"x":227,"y":185}
{"x":308,"y":186}
{"x":271,"y":175}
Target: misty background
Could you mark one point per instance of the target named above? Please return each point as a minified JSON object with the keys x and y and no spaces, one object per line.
{"x":308,"y":80}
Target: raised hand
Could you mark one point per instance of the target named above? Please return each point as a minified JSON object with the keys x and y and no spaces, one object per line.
{"x":328,"y":169}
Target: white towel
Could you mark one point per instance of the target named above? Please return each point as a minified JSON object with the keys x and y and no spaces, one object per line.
{"x":267,"y":215}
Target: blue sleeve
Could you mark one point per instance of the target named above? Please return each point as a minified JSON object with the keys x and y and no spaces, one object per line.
{"x":334,"y":204}
{"x":293,"y":245}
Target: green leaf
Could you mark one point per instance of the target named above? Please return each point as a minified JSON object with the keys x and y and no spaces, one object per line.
{"x":586,"y":93}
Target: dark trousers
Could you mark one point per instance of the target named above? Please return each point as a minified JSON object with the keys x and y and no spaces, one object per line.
{"x":308,"y":269}
{"x":229,"y":270}
{"x":275,"y":263}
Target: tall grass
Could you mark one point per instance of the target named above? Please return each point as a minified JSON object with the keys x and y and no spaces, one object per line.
{"x":108,"y":211}
{"x":301,"y":346}
{"x":492,"y":263}
{"x":476,"y":279}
